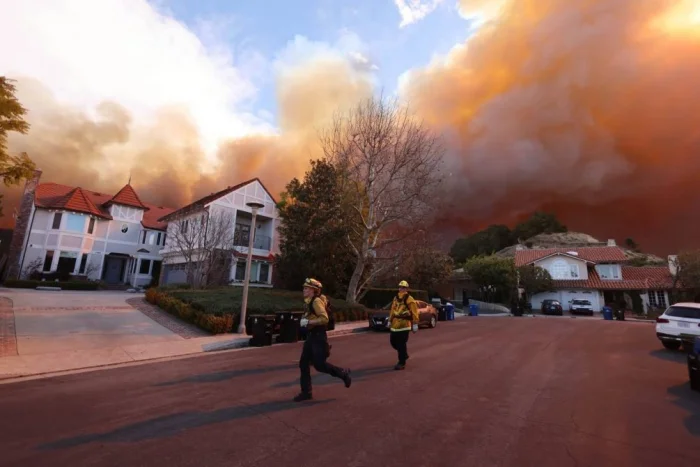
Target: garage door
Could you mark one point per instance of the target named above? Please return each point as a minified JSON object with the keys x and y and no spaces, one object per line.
{"x":174,"y":274}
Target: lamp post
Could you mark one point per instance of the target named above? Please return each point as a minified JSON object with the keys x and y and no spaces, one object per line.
{"x":244,"y":302}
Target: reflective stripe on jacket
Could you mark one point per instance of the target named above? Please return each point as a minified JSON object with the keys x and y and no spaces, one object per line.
{"x":403,"y":313}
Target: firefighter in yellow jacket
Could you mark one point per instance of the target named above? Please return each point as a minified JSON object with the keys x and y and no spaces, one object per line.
{"x":403,"y":319}
{"x":315,"y":350}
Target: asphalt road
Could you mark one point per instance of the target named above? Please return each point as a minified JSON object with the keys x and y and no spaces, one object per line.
{"x":477,"y":392}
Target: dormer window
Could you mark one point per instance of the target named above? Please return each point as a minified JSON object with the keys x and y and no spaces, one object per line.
{"x":562,"y":270}
{"x":608,"y":271}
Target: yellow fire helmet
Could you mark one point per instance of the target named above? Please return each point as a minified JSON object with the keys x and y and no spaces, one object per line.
{"x":313,"y":284}
{"x":403,"y":284}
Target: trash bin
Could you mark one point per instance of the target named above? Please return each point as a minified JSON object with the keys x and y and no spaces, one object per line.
{"x":288,"y":326}
{"x":473,"y":309}
{"x":607,"y":313}
{"x":694,"y":366}
{"x":442,"y":314}
{"x":450,"y":312}
{"x":262,"y":328}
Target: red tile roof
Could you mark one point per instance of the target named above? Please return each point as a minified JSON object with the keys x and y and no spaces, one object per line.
{"x":128,"y":197}
{"x":633,"y":278}
{"x":200,"y":203}
{"x":55,"y":196}
{"x":598,"y":254}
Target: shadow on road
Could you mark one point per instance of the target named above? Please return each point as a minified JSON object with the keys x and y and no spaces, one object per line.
{"x":226,"y":375}
{"x":669,"y":355}
{"x":170,"y":425}
{"x":688,"y":400}
{"x":323,"y":379}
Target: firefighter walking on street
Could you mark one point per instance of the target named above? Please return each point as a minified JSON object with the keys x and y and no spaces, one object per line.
{"x":316,"y":349}
{"x":403,"y":319}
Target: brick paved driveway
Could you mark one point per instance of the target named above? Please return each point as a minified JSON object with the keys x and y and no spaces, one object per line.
{"x":478,"y":392}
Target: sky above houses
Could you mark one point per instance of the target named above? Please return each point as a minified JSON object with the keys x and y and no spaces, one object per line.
{"x":586,"y":109}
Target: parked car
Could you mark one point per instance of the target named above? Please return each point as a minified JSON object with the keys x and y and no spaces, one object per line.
{"x":552,"y":307}
{"x":679,"y":323}
{"x":581,"y":306}
{"x":428,"y":316}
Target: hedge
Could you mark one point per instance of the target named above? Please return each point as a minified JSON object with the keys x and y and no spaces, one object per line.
{"x":218,"y":310}
{"x":67,"y":285}
{"x":378,"y":298}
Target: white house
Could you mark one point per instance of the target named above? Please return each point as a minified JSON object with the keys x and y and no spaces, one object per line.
{"x":598,"y":274}
{"x":229,"y":203}
{"x":72,"y":232}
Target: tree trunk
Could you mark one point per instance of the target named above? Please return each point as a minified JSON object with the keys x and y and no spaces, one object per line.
{"x":351,"y":296}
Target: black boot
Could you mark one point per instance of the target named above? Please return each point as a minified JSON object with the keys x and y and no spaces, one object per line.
{"x":303,"y":396}
{"x":400,"y":366}
{"x":347,"y":379}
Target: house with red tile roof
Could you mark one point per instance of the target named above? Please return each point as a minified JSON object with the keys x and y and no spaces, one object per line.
{"x":113,"y":237}
{"x":598,"y":274}
{"x":231,"y":205}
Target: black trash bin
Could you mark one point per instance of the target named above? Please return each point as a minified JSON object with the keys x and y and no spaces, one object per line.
{"x":262,"y":328}
{"x":694,"y":366}
{"x":289,"y":326}
{"x":442,"y":313}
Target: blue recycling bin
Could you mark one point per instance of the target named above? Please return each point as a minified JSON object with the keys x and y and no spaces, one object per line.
{"x":607,"y":313}
{"x":450,"y":312}
{"x":473,"y":309}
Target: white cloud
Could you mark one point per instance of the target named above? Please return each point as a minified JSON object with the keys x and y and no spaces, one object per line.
{"x":88,"y":51}
{"x":412,"y":11}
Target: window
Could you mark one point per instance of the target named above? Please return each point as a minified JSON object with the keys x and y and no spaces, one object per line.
{"x":560,"y":269}
{"x":165,"y":238}
{"x":143,"y":237}
{"x":66,"y":262}
{"x":683,"y":312}
{"x":264,"y":273}
{"x":75,"y":223}
{"x":608,"y":271}
{"x":158,"y":241}
{"x":145,"y":266}
{"x":657,"y":298}
{"x":240,"y":270}
{"x":57,"y":220}
{"x":48,"y":260}
{"x":574,"y":271}
{"x":91,"y":225}
{"x":83,"y":263}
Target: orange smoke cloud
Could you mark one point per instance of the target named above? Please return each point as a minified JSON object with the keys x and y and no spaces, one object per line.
{"x":587,"y":108}
{"x":165,"y":159}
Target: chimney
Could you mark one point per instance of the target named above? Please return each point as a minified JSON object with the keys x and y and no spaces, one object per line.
{"x":22,"y":227}
{"x":673,"y":264}
{"x":612,"y":242}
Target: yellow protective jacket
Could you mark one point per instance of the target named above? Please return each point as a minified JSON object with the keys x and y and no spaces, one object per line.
{"x":316,"y":309}
{"x":404,"y":313}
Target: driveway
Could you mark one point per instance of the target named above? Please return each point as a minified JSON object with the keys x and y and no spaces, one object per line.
{"x":477,"y":392}
{"x":54,"y":322}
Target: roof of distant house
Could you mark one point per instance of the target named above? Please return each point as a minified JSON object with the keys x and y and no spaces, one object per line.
{"x":601,"y":254}
{"x":633,"y":278}
{"x":202,"y":202}
{"x":55,"y":196}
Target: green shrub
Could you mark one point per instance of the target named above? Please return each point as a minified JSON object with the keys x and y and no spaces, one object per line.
{"x":67,"y":285}
{"x":378,"y":298}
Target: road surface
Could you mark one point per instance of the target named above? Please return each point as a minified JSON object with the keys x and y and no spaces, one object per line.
{"x":477,"y":392}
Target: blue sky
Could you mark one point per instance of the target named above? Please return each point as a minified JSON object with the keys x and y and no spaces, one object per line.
{"x":264,"y":28}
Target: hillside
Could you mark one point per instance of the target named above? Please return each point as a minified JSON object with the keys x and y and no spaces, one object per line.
{"x":577,"y":239}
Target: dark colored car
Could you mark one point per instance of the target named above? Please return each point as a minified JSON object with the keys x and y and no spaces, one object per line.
{"x":552,"y":307}
{"x":428,"y":316}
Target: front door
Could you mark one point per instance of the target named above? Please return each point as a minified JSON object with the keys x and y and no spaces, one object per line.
{"x":114,"y":270}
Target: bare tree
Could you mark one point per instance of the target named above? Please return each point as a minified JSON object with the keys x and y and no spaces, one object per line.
{"x":33,"y":268}
{"x":390,"y":164}
{"x":205,"y":243}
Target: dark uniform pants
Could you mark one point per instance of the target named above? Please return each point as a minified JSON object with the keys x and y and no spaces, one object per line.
{"x":314,"y":353}
{"x":399,"y":341}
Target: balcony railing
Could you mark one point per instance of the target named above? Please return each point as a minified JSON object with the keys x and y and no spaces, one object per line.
{"x":260,"y":242}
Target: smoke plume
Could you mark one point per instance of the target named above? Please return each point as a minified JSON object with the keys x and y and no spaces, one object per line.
{"x":586,"y":108}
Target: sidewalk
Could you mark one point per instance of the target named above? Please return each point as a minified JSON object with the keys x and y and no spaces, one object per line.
{"x":46,"y":364}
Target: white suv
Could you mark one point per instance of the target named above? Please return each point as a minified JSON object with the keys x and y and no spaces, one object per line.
{"x":680,"y":321}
